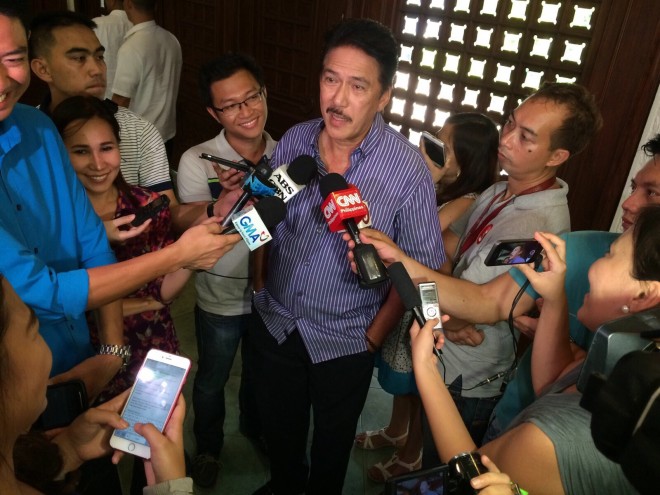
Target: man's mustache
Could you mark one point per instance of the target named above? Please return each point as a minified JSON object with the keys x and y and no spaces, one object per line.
{"x":339,"y":113}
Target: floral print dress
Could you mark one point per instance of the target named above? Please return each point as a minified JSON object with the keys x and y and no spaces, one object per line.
{"x":149,"y":329}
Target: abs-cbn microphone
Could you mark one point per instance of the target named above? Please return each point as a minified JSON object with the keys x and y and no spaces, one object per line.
{"x":253,"y":222}
{"x":408,"y":294}
{"x":256,"y":183}
{"x":290,"y":179}
{"x":342,"y":207}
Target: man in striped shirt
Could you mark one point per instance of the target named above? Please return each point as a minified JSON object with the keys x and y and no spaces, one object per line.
{"x":317,"y":328}
{"x":66,"y":54}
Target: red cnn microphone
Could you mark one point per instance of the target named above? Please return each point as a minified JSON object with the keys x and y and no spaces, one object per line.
{"x":343,"y":208}
{"x":343,"y":205}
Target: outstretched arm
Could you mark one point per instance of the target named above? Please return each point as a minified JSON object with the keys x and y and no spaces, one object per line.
{"x":485,"y":303}
{"x":525,"y":453}
{"x":552,"y":352}
{"x":198,"y":248}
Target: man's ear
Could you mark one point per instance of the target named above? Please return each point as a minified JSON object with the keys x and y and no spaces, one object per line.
{"x":557,"y":157}
{"x":213,"y":114}
{"x":648,"y":298}
{"x":40,"y":69}
{"x":384,"y":99}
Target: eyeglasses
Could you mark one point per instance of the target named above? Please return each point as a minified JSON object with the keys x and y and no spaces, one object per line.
{"x":234,"y":108}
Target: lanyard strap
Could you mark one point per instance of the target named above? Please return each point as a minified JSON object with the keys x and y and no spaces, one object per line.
{"x":477,"y":228}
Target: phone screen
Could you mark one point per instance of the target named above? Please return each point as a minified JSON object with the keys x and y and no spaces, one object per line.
{"x":429,"y":294}
{"x":156,"y":388}
{"x":434,"y":149}
{"x":514,"y":252}
{"x":150,"y":210}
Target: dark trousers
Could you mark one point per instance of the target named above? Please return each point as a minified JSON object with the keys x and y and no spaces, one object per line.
{"x":288,"y":385}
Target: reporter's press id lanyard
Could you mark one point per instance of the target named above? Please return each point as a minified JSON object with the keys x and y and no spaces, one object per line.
{"x":478,"y":228}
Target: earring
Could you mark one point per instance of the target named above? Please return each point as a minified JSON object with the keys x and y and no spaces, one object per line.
{"x":625,"y":309}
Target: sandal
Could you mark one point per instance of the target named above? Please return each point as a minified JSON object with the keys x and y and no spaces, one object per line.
{"x":380,"y":472}
{"x":385,"y":440}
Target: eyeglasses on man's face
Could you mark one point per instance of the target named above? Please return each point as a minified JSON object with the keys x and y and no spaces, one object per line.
{"x":251,"y":101}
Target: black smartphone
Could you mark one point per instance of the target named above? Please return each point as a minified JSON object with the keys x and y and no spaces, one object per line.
{"x":514,"y":252}
{"x":66,"y":401}
{"x":434,"y":148}
{"x":150,"y":210}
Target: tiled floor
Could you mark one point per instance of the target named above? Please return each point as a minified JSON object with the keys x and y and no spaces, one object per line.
{"x":244,"y":469}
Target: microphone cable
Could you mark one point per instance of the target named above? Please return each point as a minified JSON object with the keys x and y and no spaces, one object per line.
{"x":508,"y":373}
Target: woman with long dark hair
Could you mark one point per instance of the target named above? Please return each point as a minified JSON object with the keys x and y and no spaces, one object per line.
{"x":470,"y":142}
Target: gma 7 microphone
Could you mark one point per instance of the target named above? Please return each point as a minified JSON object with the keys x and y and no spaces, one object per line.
{"x":341,"y":208}
{"x":253,"y":222}
{"x":290,"y":179}
{"x":256,"y":183}
{"x":409,"y":295}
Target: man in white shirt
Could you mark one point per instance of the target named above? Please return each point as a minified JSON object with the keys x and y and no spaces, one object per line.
{"x":233,"y":91}
{"x":148,"y":70}
{"x":110,"y":30}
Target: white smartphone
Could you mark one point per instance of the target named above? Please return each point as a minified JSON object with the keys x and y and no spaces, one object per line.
{"x":153,"y":397}
{"x":428,"y":294}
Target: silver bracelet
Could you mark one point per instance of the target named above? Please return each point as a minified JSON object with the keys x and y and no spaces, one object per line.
{"x":122,"y":351}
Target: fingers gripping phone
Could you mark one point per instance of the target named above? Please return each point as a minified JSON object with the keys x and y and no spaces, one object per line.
{"x":514,"y":252}
{"x":434,"y":148}
{"x":153,"y":397}
{"x":150,"y":210}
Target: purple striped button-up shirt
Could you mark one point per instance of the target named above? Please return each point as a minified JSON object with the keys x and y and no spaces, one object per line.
{"x":310,"y":285}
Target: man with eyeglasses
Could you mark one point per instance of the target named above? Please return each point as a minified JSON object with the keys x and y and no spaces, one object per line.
{"x":232,"y":89}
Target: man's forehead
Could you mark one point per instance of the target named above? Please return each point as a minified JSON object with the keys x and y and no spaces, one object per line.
{"x":649,"y":174}
{"x":539,"y":115}
{"x":9,"y":30}
{"x":76,"y":36}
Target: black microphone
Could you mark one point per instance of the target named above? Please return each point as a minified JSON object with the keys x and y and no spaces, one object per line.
{"x":256,"y":183}
{"x":408,"y":293}
{"x":340,"y":209}
{"x":254,"y":222}
{"x":290,"y":179}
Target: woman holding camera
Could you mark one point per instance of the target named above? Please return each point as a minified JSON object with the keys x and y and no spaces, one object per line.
{"x":549,"y":449}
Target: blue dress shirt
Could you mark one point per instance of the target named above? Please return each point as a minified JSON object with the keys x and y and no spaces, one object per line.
{"x":49,"y":233}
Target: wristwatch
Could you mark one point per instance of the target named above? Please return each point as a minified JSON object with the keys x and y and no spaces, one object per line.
{"x":123,"y":351}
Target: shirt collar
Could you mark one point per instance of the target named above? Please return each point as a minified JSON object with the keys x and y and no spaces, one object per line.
{"x":369,"y":144}
{"x":139,"y":27}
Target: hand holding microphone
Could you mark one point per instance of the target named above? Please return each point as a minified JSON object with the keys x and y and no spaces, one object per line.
{"x":411,"y":298}
{"x":256,"y":183}
{"x":342,"y":207}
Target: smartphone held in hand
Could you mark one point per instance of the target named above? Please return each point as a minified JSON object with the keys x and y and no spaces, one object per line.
{"x":152,"y":399}
{"x":434,"y":148}
{"x":514,"y":252}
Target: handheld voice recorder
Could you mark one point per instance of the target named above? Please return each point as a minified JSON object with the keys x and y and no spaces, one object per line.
{"x":430,"y":305}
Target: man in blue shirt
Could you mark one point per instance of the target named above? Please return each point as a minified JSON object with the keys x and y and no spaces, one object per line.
{"x":53,"y":247}
{"x":315,"y":338}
